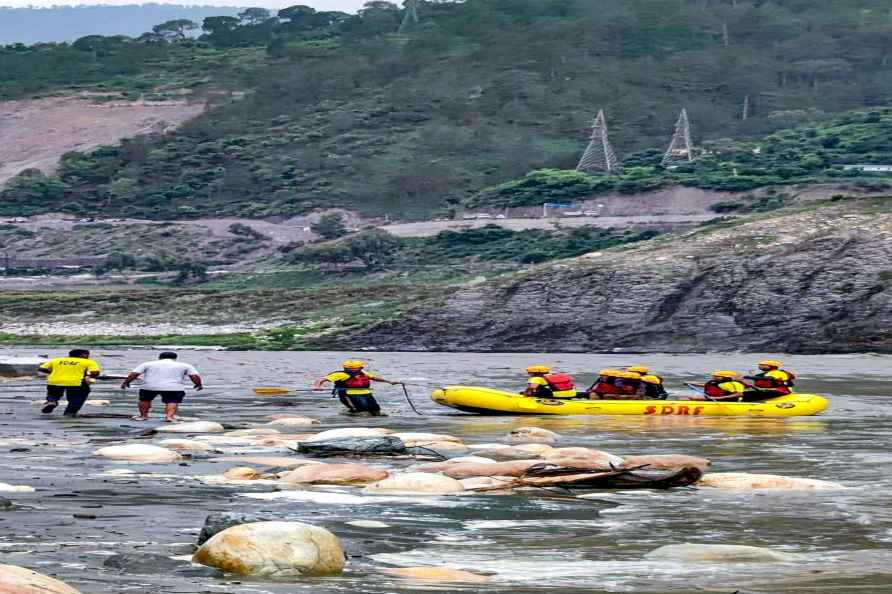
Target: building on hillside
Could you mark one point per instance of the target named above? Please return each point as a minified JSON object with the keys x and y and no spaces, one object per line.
{"x":872,"y":167}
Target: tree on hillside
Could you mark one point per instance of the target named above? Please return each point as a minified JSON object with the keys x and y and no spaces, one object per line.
{"x":329,"y":226}
{"x":219,"y":25}
{"x":174,"y":30}
{"x":375,"y":248}
{"x":254,"y":16}
{"x":298,"y":16}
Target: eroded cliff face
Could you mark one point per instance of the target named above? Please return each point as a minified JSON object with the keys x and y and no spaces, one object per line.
{"x":811,"y":281}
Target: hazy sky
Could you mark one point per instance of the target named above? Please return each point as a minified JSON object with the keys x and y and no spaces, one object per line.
{"x":345,"y":5}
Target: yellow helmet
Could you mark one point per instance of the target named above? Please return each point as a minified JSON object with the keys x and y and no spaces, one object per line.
{"x":651,"y":379}
{"x":628,"y":375}
{"x":353,"y":364}
{"x":770,"y":363}
{"x":538,"y":369}
{"x":725,"y":374}
{"x":642,"y":369}
{"x":611,"y":373}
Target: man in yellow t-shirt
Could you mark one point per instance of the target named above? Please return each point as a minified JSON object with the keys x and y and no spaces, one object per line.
{"x":353,"y":386}
{"x":70,"y":377}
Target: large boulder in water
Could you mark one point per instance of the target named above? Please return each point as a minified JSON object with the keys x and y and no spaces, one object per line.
{"x":273,"y":550}
{"x":412,"y":439}
{"x":464,"y":470}
{"x":742,"y":481}
{"x":353,"y":446}
{"x":437,"y":574}
{"x":718,"y":553}
{"x":284,"y":423}
{"x":533,"y":434}
{"x":242,"y":473}
{"x":349,"y":432}
{"x":417,"y":483}
{"x":538,"y":450}
{"x":18,"y":580}
{"x":138,"y":452}
{"x":185,"y":445}
{"x":666,"y":461}
{"x":193,"y":427}
{"x":335,"y":474}
{"x":586,"y":458}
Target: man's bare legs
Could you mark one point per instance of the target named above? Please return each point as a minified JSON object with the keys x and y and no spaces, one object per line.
{"x":170,"y":412}
{"x":144,"y":408}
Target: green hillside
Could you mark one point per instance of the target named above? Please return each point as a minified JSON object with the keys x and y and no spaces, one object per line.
{"x":342,"y":111}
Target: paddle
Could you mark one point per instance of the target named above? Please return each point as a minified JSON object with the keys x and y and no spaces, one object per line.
{"x":700,"y":389}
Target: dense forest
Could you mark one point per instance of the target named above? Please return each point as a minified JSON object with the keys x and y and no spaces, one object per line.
{"x":381,"y":112}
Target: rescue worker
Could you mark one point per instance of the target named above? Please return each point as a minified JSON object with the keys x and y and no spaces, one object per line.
{"x":772,"y":381}
{"x":353,"y":386}
{"x":614,"y":384}
{"x":651,"y":387}
{"x":724,"y":386}
{"x":544,"y":384}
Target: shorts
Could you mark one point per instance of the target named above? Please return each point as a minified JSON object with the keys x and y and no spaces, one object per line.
{"x":166,"y":397}
{"x":54,"y":393}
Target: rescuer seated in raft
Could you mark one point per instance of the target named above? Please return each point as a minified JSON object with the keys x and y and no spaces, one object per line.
{"x":772,"y":381}
{"x":651,"y":387}
{"x":614,"y":384}
{"x":544,"y":384}
{"x":724,"y":386}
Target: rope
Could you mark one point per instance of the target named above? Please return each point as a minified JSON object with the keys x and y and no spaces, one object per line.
{"x":409,"y":400}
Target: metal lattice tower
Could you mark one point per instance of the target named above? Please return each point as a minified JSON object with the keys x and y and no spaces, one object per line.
{"x":599,"y":156}
{"x":681,"y":148}
{"x":410,"y":17}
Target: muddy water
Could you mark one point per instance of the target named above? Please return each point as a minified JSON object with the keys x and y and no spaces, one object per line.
{"x":531,"y":543}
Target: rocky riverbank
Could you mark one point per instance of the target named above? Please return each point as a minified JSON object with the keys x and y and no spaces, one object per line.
{"x":813,"y":280}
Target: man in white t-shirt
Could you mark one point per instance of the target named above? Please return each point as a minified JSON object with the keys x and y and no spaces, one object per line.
{"x":165,"y":377}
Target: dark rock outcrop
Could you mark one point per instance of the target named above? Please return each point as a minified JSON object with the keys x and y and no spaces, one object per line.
{"x":802,"y":282}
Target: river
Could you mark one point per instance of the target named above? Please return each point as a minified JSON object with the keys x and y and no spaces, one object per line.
{"x":529,"y":543}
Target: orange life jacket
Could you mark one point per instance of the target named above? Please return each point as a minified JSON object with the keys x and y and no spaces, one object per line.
{"x":560,"y":382}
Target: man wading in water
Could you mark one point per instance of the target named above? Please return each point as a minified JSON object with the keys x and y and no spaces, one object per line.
{"x":165,"y":377}
{"x":353,"y":386}
{"x":70,"y":376}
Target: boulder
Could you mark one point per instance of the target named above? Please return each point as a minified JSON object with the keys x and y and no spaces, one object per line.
{"x":276,"y":461}
{"x":437,"y":574}
{"x":286,"y":422}
{"x":441,"y":466}
{"x":7,"y":488}
{"x":533,"y":434}
{"x":423,"y":439}
{"x":718,"y":553}
{"x":536,"y":449}
{"x":349,"y":432}
{"x":279,"y":441}
{"x":417,"y":482}
{"x":353,"y":446}
{"x":505,"y":454}
{"x":466,"y":470}
{"x":242,"y":473}
{"x":18,"y":580}
{"x":273,"y":550}
{"x":185,"y":445}
{"x":488,"y":483}
{"x":193,"y":427}
{"x":335,"y":474}
{"x":138,"y":452}
{"x":665,"y":461}
{"x":583,"y":458}
{"x":741,"y":481}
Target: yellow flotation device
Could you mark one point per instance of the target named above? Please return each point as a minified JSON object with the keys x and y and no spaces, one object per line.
{"x":494,"y":402}
{"x":271,"y":391}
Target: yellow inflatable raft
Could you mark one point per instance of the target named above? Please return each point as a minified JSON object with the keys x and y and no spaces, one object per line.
{"x":487,"y":401}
